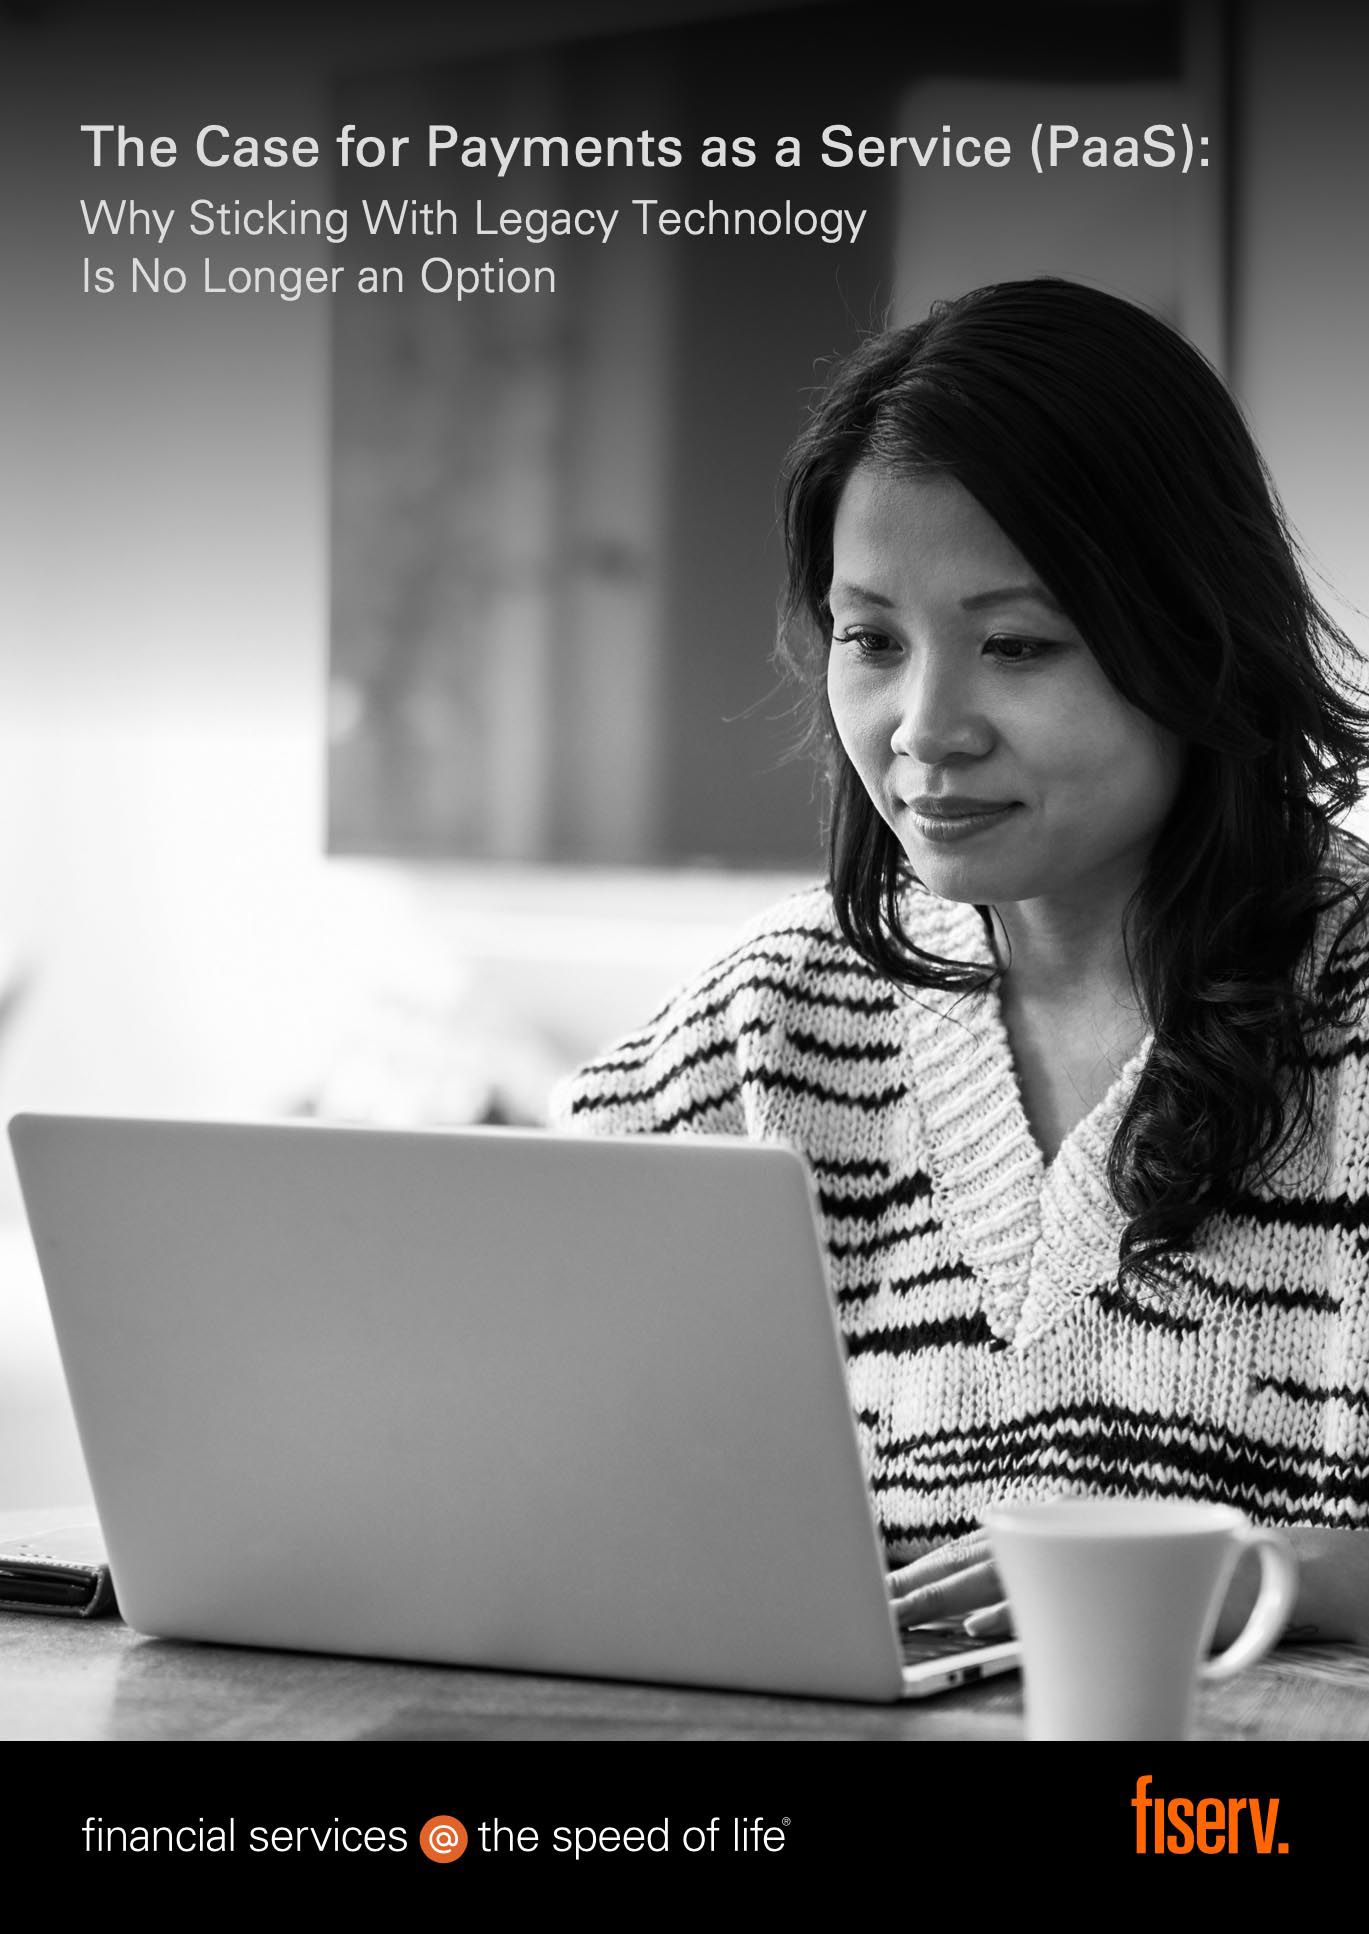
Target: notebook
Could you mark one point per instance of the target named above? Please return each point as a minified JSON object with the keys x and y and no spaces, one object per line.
{"x":485,"y":1397}
{"x":58,"y":1569}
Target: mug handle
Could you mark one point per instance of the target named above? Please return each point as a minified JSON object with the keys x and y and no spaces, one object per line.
{"x":1269,"y":1615}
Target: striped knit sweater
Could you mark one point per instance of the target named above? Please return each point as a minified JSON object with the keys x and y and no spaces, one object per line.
{"x":991,"y":1354}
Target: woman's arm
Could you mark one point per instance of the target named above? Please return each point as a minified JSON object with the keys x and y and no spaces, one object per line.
{"x":677,"y":1074}
{"x":683,"y":1072}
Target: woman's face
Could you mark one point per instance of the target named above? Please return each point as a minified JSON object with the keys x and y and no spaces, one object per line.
{"x":977,"y":718}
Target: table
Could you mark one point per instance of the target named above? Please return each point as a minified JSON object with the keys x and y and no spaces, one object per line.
{"x":71,"y":1679}
{"x":97,"y":1679}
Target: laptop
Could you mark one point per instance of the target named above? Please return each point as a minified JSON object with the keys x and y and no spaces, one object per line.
{"x":482,"y":1397}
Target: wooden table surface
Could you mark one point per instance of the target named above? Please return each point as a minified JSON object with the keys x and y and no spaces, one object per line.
{"x":64,"y":1678}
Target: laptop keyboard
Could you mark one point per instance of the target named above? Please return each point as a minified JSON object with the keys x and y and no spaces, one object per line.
{"x":921,"y":1643}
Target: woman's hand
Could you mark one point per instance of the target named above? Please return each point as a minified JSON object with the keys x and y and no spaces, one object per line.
{"x":957,"y":1583}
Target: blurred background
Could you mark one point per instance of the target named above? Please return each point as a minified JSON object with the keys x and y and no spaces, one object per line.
{"x":386,"y":708}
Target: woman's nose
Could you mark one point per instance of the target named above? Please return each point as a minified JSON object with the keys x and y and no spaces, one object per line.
{"x":939,"y":717}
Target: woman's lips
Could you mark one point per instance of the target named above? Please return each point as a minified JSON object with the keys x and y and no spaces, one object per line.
{"x":944,"y":820}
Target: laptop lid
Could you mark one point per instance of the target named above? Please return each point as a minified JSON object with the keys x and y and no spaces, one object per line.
{"x":483,"y":1397}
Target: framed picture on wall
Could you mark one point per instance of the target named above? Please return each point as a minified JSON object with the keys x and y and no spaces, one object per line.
{"x":555,"y":560}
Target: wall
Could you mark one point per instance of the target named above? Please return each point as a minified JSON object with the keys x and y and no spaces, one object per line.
{"x":1300,"y":292}
{"x":164,"y":615}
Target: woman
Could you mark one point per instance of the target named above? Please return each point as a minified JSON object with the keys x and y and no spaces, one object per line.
{"x":1075,"y":1039}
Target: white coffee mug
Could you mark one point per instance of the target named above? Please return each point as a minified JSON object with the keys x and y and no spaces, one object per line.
{"x":1114,"y":1601}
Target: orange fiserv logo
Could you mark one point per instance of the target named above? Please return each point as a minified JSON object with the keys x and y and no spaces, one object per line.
{"x":1203,"y":1826}
{"x":443,"y":1838}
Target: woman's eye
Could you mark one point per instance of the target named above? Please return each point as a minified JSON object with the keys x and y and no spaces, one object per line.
{"x":1011,"y":650}
{"x":866,"y":644}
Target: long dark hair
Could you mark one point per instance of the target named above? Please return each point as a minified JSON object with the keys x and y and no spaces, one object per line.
{"x":1110,"y":453}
